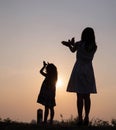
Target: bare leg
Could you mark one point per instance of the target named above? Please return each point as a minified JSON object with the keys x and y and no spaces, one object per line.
{"x":80,"y":106}
{"x":51,"y":114}
{"x":87,"y":107}
{"x":46,"y":112}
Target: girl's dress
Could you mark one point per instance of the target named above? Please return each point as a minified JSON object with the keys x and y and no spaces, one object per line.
{"x":47,"y":93}
{"x":82,"y":78}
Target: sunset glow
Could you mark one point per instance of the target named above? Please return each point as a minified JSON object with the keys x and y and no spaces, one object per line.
{"x":59,"y":83}
{"x":31,"y":32}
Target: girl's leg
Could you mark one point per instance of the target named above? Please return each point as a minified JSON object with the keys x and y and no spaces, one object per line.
{"x":51,"y":114}
{"x":46,"y":112}
{"x":80,"y":106}
{"x":87,"y":107}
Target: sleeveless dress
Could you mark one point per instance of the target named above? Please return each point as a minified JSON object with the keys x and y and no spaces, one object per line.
{"x":46,"y":96}
{"x":82,"y":79}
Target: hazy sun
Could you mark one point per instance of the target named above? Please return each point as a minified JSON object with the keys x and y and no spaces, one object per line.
{"x":59,"y":83}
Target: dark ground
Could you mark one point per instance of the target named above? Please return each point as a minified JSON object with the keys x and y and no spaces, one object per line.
{"x":25,"y":126}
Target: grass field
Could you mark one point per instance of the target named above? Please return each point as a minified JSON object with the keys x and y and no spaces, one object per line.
{"x":59,"y":126}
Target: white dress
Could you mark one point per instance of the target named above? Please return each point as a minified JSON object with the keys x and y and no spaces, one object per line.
{"x":82,"y":78}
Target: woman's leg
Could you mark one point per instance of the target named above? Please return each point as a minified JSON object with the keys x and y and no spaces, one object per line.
{"x":46,"y":112}
{"x":87,"y":107}
{"x":80,"y":106}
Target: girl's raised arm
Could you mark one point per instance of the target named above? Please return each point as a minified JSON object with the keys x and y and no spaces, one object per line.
{"x":42,"y":69}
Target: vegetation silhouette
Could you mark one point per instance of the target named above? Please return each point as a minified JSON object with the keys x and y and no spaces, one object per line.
{"x":97,"y":124}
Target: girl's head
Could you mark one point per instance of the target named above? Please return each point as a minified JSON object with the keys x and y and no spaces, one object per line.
{"x":52,"y":71}
{"x":88,"y":37}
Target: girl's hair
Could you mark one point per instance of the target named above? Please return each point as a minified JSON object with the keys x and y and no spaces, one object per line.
{"x":52,"y":72}
{"x":88,"y":37}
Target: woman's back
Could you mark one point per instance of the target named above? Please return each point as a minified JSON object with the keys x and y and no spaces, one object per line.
{"x":83,"y":55}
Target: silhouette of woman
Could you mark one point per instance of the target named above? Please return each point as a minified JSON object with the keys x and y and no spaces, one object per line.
{"x":46,"y":96}
{"x":82,"y":80}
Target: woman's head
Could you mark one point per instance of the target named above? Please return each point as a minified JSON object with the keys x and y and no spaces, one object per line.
{"x":88,"y":37}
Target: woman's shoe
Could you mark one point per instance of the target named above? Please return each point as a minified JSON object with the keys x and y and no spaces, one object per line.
{"x":79,"y":122}
{"x":86,"y":122}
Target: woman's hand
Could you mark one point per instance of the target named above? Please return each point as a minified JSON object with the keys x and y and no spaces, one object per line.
{"x":72,"y":41}
{"x":69,"y":42}
{"x":65,"y":43}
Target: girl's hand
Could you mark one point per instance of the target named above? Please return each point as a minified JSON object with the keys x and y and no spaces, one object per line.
{"x":44,"y":64}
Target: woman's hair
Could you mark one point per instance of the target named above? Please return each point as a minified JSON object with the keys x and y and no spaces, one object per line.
{"x":88,"y":37}
{"x":52,"y":72}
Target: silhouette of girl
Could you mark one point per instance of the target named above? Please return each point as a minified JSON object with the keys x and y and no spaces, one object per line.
{"x":82,"y":80}
{"x":46,"y":96}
